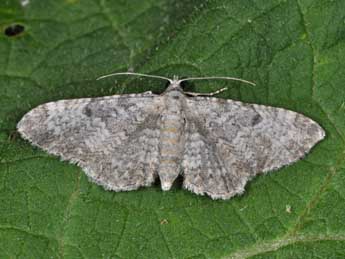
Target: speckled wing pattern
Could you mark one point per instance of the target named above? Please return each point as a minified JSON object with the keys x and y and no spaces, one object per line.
{"x":95,"y":133}
{"x":229,"y":142}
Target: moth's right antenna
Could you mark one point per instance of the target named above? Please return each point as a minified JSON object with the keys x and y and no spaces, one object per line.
{"x":134,"y":74}
{"x":218,"y":77}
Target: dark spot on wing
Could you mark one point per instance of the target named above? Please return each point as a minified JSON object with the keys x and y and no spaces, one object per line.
{"x":87,"y":111}
{"x":256,"y":120}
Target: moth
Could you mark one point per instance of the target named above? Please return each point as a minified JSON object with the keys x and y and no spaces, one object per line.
{"x":123,"y":142}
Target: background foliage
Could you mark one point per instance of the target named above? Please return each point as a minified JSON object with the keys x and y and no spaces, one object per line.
{"x":293,"y":49}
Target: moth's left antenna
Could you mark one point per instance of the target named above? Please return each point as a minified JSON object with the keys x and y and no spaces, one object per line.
{"x":134,"y":74}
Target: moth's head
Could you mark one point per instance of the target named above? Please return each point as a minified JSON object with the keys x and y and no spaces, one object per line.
{"x":174,"y":85}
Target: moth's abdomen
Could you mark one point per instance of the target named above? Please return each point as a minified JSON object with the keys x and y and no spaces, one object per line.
{"x":171,"y":142}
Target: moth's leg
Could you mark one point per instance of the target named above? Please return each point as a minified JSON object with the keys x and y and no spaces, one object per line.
{"x":206,"y":94}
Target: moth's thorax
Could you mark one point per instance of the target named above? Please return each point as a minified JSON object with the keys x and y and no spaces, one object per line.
{"x":171,"y":138}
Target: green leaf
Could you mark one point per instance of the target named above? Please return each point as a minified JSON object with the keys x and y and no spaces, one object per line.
{"x":293,"y":50}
